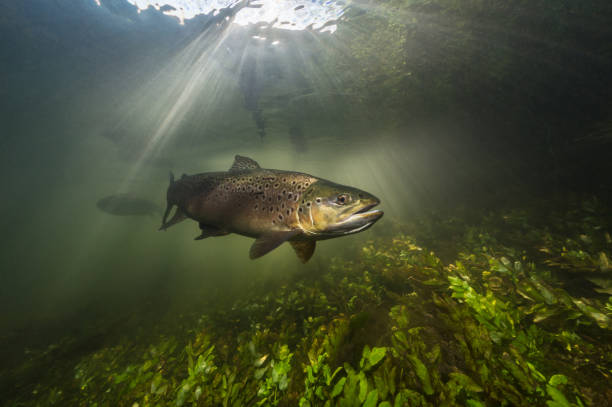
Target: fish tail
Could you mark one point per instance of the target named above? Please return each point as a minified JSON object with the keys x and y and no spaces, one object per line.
{"x":169,"y":204}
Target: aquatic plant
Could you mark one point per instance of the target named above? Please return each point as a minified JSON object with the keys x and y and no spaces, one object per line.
{"x":393,"y":325}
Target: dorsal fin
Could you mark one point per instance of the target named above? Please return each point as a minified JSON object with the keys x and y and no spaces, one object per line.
{"x":243,"y":164}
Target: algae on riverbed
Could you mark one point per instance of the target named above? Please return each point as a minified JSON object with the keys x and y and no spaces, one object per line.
{"x":500,"y":324}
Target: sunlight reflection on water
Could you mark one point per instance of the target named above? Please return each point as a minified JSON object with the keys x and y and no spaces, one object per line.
{"x":317,"y":15}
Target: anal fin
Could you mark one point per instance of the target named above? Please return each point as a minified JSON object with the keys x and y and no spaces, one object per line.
{"x":270,"y":241}
{"x":304,"y":249}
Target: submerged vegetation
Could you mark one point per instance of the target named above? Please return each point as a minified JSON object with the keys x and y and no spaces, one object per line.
{"x":519,"y":312}
{"x":512,"y":307}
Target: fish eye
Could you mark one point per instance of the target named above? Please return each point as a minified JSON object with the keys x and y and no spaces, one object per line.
{"x":342,"y":199}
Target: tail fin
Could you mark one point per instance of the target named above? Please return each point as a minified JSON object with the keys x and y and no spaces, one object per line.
{"x":178,"y":217}
{"x":169,"y":204}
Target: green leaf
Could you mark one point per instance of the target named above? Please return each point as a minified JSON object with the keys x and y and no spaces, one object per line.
{"x":309,"y":375}
{"x":339,"y":369}
{"x":558,"y":397}
{"x":380,"y":384}
{"x":371,"y":399}
{"x":384,"y":404}
{"x":283,"y":383}
{"x":260,"y":361}
{"x":557,"y":379}
{"x":364,"y":356}
{"x":408,"y":397}
{"x":376,"y":355}
{"x":337,"y":390}
{"x":422,"y":373}
{"x":539,"y":376}
{"x":363,"y":387}
{"x":466,"y":382}
{"x":259,"y":373}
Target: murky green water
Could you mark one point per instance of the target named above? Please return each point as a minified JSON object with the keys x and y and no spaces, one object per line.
{"x":485,"y":128}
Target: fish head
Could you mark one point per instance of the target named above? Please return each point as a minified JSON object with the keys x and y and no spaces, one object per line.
{"x":330,"y":210}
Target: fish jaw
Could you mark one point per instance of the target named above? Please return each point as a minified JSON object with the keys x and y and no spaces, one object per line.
{"x":359,"y":220}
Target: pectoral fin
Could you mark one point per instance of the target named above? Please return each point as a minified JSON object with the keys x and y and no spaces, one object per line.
{"x":304,"y":249}
{"x":269,"y":242}
{"x":210,"y":231}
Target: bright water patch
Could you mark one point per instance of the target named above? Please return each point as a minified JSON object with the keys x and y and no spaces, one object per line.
{"x":317,"y":15}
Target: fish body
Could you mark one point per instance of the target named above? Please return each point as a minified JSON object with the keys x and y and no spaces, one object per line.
{"x":272,"y":206}
{"x":127,"y":205}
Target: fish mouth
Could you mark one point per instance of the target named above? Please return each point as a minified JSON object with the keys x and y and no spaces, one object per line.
{"x":360,"y":220}
{"x":365,"y":215}
{"x":366,"y":208}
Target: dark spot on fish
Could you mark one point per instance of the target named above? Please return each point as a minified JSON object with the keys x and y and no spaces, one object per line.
{"x":284,"y":179}
{"x":300,"y":209}
{"x":276,"y":185}
{"x":280,"y":216}
{"x":307,"y":203}
{"x":273,"y":221}
{"x":299,"y":187}
{"x":283,"y":205}
{"x":289,"y":196}
{"x":267,"y":186}
{"x":271,"y":209}
{"x":259,"y":187}
{"x":270,"y":199}
{"x":256,"y":206}
{"x":287,"y":211}
{"x":318,"y":200}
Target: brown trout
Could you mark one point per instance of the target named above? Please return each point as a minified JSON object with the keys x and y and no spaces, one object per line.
{"x":272,"y":206}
